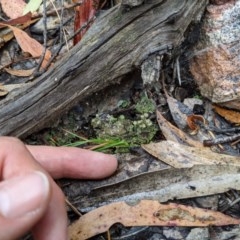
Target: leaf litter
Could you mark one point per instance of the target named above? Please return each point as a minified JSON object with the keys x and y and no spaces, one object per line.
{"x":3,"y":91}
{"x":175,"y":134}
{"x":29,"y":45}
{"x":182,"y":156}
{"x":147,"y":212}
{"x":177,"y":154}
{"x":172,"y":215}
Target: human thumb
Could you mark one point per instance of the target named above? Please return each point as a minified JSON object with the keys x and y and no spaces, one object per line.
{"x":23,"y":200}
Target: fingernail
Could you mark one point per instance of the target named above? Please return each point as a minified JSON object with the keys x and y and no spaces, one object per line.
{"x":23,"y":194}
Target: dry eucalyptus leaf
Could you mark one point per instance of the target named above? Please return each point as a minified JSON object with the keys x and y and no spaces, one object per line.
{"x":172,"y":133}
{"x":13,"y":8}
{"x":11,"y":87}
{"x":229,"y":114}
{"x":30,"y":45}
{"x":182,"y":156}
{"x":164,"y":185}
{"x":145,"y":213}
{"x":3,"y":91}
{"x":19,"y":72}
{"x":23,"y":22}
{"x":20,"y":20}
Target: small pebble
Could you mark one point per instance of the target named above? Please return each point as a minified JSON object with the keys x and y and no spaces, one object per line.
{"x":198,"y":234}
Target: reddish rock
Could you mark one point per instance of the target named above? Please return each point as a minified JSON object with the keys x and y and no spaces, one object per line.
{"x":216,"y":65}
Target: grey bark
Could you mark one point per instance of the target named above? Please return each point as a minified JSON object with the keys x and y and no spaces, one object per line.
{"x":117,"y":43}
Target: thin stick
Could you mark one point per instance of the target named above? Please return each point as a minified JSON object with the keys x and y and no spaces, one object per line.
{"x":221,"y":140}
{"x":60,"y":19}
{"x":178,"y":71}
{"x":53,"y":12}
{"x":72,"y":207}
{"x":44,"y":38}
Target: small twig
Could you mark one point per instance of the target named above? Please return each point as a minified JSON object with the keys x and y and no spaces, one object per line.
{"x":72,"y":207}
{"x":224,"y":130}
{"x":44,"y":39}
{"x":108,"y":235}
{"x":60,"y":20}
{"x":178,"y":71}
{"x":132,"y":234}
{"x":82,"y":28}
{"x":214,"y":138}
{"x":4,"y":19}
{"x":54,"y":12}
{"x":221,"y":140}
{"x":164,"y":85}
{"x":235,"y":142}
{"x":55,"y":54}
{"x":97,"y":146}
{"x":62,"y":44}
{"x":230,"y":202}
{"x":62,"y":29}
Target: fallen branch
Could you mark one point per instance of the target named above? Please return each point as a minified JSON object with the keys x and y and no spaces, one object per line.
{"x":116,"y":44}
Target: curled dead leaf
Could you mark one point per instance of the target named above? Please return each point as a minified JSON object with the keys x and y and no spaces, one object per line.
{"x":192,"y":121}
{"x":19,"y":72}
{"x":172,"y":133}
{"x":23,"y":22}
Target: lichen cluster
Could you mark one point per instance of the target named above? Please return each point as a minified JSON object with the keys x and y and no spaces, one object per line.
{"x":138,"y":131}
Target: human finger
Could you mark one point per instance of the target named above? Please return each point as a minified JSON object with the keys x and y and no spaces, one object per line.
{"x":24,"y":189}
{"x":53,"y":224}
{"x":74,"y":162}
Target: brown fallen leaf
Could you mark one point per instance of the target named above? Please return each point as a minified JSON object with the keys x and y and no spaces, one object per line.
{"x":3,"y":91}
{"x":172,"y":133}
{"x":145,"y":213}
{"x":7,"y":35}
{"x":20,"y":20}
{"x":19,"y":72}
{"x":11,"y":87}
{"x":182,"y":156}
{"x":29,"y":44}
{"x":230,"y":115}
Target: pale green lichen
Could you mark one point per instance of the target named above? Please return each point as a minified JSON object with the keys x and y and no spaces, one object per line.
{"x":135,"y":132}
{"x":141,"y":130}
{"x":145,"y":105}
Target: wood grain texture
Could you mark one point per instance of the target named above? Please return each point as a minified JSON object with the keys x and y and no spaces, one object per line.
{"x":116,"y":44}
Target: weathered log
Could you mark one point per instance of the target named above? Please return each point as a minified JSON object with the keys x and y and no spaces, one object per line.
{"x":117,"y":43}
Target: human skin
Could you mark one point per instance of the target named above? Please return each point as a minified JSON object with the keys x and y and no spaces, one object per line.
{"x":30,"y":200}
